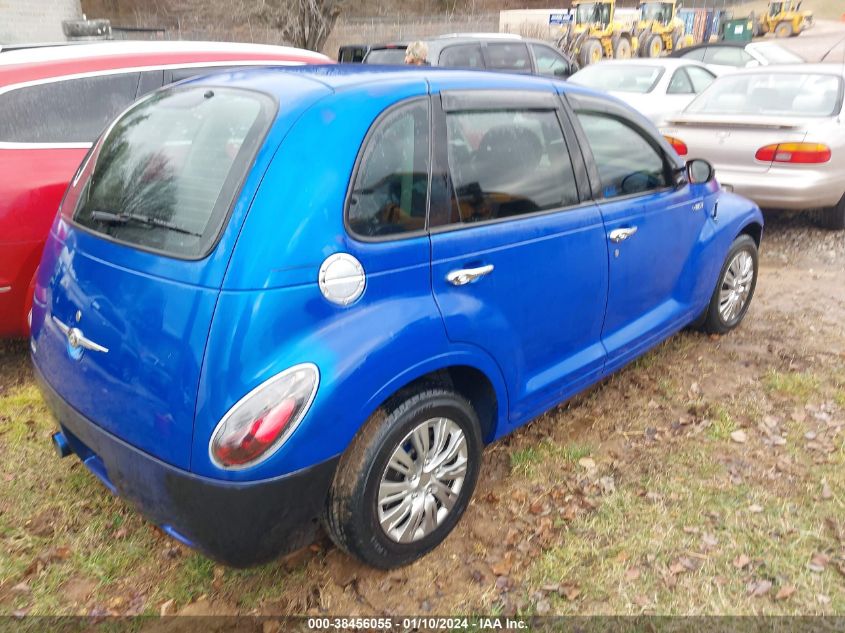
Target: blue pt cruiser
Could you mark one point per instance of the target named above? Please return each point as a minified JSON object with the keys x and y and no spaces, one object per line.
{"x":279,"y":298}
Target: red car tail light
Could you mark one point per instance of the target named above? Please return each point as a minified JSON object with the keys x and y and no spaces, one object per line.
{"x":260,"y":422}
{"x":805,"y":153}
{"x":678,"y":145}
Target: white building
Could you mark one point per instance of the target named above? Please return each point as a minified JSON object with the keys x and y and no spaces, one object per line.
{"x":23,"y":21}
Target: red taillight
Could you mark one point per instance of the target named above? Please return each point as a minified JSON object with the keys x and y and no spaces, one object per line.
{"x":678,"y":145}
{"x":266,"y":429}
{"x":805,"y":153}
{"x":261,"y":421}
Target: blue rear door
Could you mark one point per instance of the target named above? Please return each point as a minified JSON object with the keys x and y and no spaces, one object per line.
{"x":519,"y":262}
{"x":652,"y":227}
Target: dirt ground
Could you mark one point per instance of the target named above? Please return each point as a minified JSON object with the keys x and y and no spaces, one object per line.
{"x":705,"y":478}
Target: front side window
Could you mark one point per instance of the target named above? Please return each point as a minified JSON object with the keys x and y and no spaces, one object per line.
{"x":462,"y":56}
{"x":65,"y":111}
{"x":165,"y":175}
{"x":549,"y":61}
{"x":389,"y":193}
{"x":680,"y":83}
{"x":507,"y":163}
{"x":627,"y":162}
{"x":510,"y":56}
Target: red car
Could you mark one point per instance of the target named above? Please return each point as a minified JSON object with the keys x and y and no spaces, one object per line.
{"x":54,"y":102}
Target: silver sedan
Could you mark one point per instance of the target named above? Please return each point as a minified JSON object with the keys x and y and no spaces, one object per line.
{"x":774,"y":134}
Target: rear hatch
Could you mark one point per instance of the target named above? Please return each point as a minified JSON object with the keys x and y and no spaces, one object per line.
{"x":131,"y":274}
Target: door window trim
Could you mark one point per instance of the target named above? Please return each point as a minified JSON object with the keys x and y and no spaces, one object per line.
{"x":440,"y":160}
{"x":598,"y":106}
{"x":359,"y":159}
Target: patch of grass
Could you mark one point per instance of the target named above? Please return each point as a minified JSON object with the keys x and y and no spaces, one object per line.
{"x":723,"y":424}
{"x":796,"y":385}
{"x":523,"y":460}
{"x":570,"y":453}
{"x":194,"y":579}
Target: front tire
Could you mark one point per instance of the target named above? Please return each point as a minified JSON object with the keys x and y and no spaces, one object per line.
{"x":406,"y":479}
{"x":783,"y":29}
{"x":655,"y":46}
{"x":591,"y":52}
{"x":834,"y":217}
{"x":622,"y":50}
{"x":735,"y":288}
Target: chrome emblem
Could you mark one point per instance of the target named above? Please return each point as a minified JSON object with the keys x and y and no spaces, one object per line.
{"x":76,"y":340}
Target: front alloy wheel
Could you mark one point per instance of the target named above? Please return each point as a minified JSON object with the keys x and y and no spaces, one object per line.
{"x":735,"y":288}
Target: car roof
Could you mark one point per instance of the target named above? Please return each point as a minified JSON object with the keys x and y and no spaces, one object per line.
{"x":100,"y":50}
{"x":665,"y":62}
{"x":837,"y":70}
{"x":361,"y":77}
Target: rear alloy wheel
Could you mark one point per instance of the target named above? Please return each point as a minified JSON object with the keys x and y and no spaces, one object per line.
{"x":733,"y":292}
{"x":622,"y":50}
{"x":406,"y":479}
{"x":783,"y":29}
{"x":655,"y":46}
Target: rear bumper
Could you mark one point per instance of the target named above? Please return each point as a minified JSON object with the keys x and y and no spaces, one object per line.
{"x":783,"y":188}
{"x":237,"y":523}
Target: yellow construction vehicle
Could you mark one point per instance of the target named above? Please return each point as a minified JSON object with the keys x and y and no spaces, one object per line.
{"x":594,"y":34}
{"x":784,"y":19}
{"x":660,"y":29}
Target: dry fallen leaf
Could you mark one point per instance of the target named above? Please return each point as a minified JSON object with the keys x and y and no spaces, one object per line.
{"x":587,"y":463}
{"x":785,"y":592}
{"x":759,"y":588}
{"x":827,"y":493}
{"x":742,"y":561}
{"x":166,"y":608}
{"x":570,"y":590}
{"x":755,"y":509}
{"x":632,"y":574}
{"x":818,"y":562}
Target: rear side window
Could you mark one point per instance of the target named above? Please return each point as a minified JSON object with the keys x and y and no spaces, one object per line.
{"x":390,"y":190}
{"x":167,"y":172}
{"x":680,"y":84}
{"x":66,"y":111}
{"x":510,"y":56}
{"x":549,"y":61}
{"x":507,"y":163}
{"x":697,"y":54}
{"x":462,"y":56}
{"x":627,"y":162}
{"x":700,"y":78}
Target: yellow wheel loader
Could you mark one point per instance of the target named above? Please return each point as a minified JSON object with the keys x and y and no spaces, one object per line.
{"x":784,"y":19}
{"x":659,"y":29}
{"x":594,"y":34}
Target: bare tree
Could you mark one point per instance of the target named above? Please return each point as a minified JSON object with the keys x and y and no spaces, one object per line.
{"x":303,"y":23}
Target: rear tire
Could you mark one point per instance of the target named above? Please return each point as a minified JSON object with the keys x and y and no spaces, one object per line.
{"x":735,"y":288}
{"x":622,"y":50}
{"x":388,"y":506}
{"x":591,"y":52}
{"x":783,"y":29}
{"x":834,"y":217}
{"x":655,"y":46}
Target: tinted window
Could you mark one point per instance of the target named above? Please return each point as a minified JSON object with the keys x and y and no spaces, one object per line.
{"x":511,"y":56}
{"x":462,"y":56}
{"x":390,"y":189}
{"x":700,"y":77}
{"x":627,"y":162}
{"x":150,"y":80}
{"x":68,"y":111}
{"x":549,"y":61}
{"x":726,"y":56}
{"x":507,"y":163}
{"x":168,"y":170}
{"x":696,"y":53}
{"x":680,"y":83}
{"x":390,"y":56}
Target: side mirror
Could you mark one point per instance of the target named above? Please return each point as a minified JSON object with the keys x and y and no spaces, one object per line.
{"x":699,"y":171}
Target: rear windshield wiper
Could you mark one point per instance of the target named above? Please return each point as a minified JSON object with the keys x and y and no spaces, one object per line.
{"x":109,"y":217}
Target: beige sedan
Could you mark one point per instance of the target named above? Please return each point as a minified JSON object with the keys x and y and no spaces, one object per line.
{"x":774,"y":134}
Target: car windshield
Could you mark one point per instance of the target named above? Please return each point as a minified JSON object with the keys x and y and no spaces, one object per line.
{"x":592,"y":12}
{"x":775,"y":54}
{"x":165,"y":174}
{"x":390,"y":56}
{"x":776,"y":94}
{"x":659,"y":11}
{"x":619,"y":77}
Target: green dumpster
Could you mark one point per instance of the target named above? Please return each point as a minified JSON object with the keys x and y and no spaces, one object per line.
{"x":739,"y":30}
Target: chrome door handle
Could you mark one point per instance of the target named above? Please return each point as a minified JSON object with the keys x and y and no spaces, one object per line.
{"x":466,"y":276}
{"x":620,"y":235}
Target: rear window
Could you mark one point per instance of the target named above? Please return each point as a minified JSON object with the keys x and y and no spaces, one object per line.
{"x":389,"y":56}
{"x":619,"y":77}
{"x":772,"y":93}
{"x":165,"y":175}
